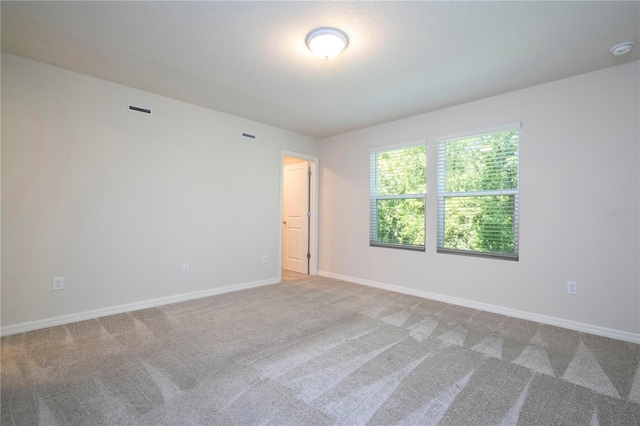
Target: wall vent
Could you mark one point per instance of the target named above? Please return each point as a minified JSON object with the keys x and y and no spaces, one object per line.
{"x":247,"y":135}
{"x":139,"y":109}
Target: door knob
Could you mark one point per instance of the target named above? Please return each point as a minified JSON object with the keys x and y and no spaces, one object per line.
{"x":284,"y":222}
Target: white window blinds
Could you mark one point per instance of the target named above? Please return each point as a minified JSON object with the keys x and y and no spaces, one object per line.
{"x":478,"y":195}
{"x":397,"y":202}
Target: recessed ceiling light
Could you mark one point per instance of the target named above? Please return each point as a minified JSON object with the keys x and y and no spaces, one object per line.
{"x":326,"y":42}
{"x":622,"y":48}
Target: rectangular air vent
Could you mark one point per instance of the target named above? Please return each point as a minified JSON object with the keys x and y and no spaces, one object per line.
{"x":139,"y":109}
{"x":247,"y":135}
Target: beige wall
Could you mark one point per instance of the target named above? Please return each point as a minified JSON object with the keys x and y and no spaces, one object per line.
{"x":115,"y":201}
{"x":579,"y":150}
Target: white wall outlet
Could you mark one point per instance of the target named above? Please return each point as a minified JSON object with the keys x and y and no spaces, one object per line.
{"x":572,"y":287}
{"x":330,"y":254}
{"x":58,"y":283}
{"x":264,"y":258}
{"x":185,"y":268}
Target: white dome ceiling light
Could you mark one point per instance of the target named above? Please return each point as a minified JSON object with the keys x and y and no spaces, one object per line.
{"x":622,"y":48}
{"x":326,"y":42}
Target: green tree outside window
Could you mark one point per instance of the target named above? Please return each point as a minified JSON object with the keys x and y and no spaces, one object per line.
{"x":398,"y":187}
{"x":478,"y":194}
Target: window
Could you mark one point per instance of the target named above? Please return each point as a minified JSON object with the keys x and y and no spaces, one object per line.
{"x":478,"y":194}
{"x":398,"y":187}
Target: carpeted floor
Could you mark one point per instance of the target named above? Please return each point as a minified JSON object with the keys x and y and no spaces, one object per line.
{"x":315,"y":351}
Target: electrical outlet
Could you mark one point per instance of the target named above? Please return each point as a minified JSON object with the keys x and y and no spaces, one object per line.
{"x":58,"y":283}
{"x":572,"y":287}
{"x":264,"y":258}
{"x":185,"y":268}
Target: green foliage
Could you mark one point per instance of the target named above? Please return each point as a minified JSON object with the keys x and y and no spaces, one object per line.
{"x":403,"y":171}
{"x":401,"y":221}
{"x":482,"y":163}
{"x":482,"y":223}
{"x":400,"y":172}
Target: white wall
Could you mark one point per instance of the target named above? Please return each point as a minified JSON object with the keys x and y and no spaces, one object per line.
{"x":579,"y":153}
{"x":115,"y":201}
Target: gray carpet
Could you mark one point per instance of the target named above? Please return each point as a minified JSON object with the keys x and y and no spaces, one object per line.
{"x":316,"y":351}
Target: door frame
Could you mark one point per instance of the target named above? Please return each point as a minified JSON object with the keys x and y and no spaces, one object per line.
{"x":313,"y":226}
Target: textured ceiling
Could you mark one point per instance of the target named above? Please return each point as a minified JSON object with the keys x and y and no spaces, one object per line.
{"x":249,"y":58}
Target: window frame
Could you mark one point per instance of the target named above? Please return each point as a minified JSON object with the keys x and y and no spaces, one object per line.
{"x":441,"y":194}
{"x":374,"y":196}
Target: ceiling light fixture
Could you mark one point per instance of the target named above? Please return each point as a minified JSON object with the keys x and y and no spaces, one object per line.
{"x":326,"y":42}
{"x":622,"y":48}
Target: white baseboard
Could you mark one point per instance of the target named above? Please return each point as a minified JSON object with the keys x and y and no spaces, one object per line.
{"x":544,"y":319}
{"x":112,"y":310}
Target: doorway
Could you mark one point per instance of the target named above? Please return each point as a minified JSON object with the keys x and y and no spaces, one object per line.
{"x":299,"y":213}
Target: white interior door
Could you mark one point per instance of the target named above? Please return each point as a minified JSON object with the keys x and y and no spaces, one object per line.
{"x":295,"y":223}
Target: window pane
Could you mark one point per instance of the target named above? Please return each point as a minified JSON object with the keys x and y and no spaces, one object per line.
{"x":398,"y":186}
{"x":402,"y":171}
{"x":401,"y":221}
{"x":482,"y":224}
{"x":482,"y":163}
